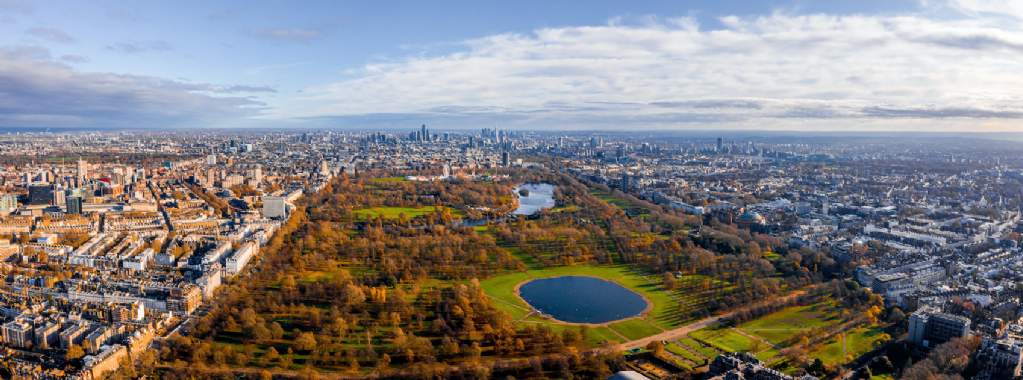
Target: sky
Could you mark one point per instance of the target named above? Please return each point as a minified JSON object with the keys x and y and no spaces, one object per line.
{"x":893,"y":65}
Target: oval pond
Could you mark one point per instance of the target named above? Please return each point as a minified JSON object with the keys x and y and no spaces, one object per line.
{"x":581,"y":299}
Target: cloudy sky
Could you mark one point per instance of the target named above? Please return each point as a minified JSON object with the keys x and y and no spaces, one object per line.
{"x":944,"y":65}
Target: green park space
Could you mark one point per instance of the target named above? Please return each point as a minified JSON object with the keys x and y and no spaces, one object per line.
{"x":725,"y":339}
{"x":778,"y":327}
{"x":621,"y":203}
{"x":767,"y":335}
{"x":841,"y":348}
{"x":396,"y":212}
{"x":388,"y":179}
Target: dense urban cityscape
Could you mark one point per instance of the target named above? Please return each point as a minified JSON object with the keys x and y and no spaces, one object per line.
{"x":392,"y":254}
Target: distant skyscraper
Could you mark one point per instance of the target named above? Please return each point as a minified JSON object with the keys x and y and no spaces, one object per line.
{"x":59,"y":197}
{"x":74,"y":205}
{"x":505,"y":160}
{"x":424,"y":134}
{"x":83,"y":171}
{"x":720,"y":146}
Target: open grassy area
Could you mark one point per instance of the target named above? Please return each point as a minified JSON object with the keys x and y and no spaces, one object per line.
{"x":631,"y":208}
{"x":725,"y":339}
{"x":779,"y":326}
{"x":396,"y":212}
{"x":388,"y":179}
{"x":663,"y":315}
{"x":686,"y":353}
{"x":704,"y":345}
{"x":703,"y":350}
{"x":846,"y":346}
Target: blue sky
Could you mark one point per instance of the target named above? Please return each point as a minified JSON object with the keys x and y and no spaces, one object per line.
{"x":881,"y":65}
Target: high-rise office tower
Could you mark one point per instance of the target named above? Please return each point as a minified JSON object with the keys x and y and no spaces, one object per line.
{"x":83,"y":171}
{"x":74,"y":205}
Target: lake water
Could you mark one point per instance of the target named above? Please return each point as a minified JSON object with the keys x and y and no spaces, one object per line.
{"x":581,"y":299}
{"x":541,"y":196}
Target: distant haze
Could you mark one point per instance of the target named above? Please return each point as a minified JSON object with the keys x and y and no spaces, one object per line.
{"x":784,"y":65}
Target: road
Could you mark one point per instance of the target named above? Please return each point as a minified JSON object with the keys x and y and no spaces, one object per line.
{"x":680,"y":332}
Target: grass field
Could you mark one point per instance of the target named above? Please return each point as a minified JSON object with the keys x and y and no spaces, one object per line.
{"x":778,"y":329}
{"x":632,"y":209}
{"x":663,"y":315}
{"x":705,"y":351}
{"x":395,"y":212}
{"x":779,"y":326}
{"x":677,"y":349}
{"x":857,"y":341}
{"x":724,"y":339}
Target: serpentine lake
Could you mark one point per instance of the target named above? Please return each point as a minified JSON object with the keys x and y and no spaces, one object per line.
{"x":539,"y":196}
{"x":582,"y":299}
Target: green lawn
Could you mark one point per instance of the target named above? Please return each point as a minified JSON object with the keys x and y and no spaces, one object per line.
{"x":619,"y":202}
{"x":501,"y":290}
{"x":724,"y":339}
{"x":727,"y":339}
{"x":395,"y":212}
{"x":858,"y":341}
{"x":779,"y":326}
{"x":704,"y":350}
{"x":680,"y":351}
{"x":636,"y":328}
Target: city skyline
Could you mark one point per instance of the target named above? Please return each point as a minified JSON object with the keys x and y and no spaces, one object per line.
{"x":788,"y":65}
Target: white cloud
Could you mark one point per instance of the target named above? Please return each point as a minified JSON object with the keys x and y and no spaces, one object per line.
{"x":1009,"y":8}
{"x":39,"y":91}
{"x":778,"y":70}
{"x":51,"y":34}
